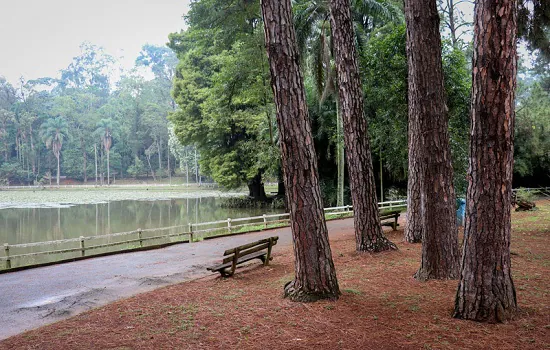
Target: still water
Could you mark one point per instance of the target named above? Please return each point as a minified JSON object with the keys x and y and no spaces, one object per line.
{"x":27,"y":225}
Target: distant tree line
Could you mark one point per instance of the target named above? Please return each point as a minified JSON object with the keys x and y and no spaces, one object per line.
{"x":83,"y":126}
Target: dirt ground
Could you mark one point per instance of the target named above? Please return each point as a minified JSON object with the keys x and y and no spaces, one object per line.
{"x":381,"y":307}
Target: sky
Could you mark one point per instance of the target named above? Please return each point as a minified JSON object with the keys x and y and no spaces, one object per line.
{"x":38,"y":38}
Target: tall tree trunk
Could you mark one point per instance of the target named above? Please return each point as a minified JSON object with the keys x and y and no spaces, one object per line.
{"x":168,"y":156}
{"x":108,"y":167}
{"x":486,"y":291}
{"x":159,"y":145}
{"x":187,"y":168}
{"x":368,"y":230}
{"x":452,"y":27}
{"x":196,"y":168}
{"x":85,"y":160}
{"x":150,"y":167}
{"x":17,"y":147}
{"x":256,"y":188}
{"x":339,"y":158}
{"x":101,"y":164}
{"x":58,"y":167}
{"x":33,"y":153}
{"x":95,"y":154}
{"x":315,"y":276}
{"x":413,"y":226}
{"x":429,"y":121}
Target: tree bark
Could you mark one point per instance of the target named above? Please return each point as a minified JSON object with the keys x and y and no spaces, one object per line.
{"x":413,"y":226}
{"x":368,"y":230}
{"x":315,"y":276}
{"x":486,"y":291}
{"x":429,"y":124}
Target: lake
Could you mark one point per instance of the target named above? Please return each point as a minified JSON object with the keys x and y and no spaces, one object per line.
{"x":28,"y":222}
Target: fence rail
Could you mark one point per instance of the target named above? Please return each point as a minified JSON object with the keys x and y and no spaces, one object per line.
{"x":193,"y":232}
{"x":544,"y":191}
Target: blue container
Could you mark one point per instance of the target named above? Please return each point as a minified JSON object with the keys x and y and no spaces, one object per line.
{"x":460,"y":211}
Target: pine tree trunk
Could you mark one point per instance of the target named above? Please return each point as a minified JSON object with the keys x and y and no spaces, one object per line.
{"x":429,"y":121}
{"x":413,"y":226}
{"x":368,"y":230}
{"x":486,"y":291}
{"x":315,"y":276}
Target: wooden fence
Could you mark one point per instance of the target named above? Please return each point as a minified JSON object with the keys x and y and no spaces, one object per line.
{"x":80,"y":247}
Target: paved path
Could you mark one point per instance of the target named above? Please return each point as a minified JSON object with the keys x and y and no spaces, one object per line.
{"x":39,"y":296}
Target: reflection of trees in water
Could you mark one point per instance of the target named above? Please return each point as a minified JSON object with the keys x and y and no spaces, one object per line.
{"x":43,"y":224}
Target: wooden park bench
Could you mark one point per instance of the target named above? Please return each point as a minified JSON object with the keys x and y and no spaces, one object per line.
{"x":232,"y":257}
{"x":390,"y":219}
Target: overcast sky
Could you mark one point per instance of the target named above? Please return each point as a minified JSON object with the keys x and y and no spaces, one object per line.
{"x":40,"y":37}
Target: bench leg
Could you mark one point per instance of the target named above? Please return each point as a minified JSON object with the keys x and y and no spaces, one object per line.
{"x":268,"y":256}
{"x":224,"y":273}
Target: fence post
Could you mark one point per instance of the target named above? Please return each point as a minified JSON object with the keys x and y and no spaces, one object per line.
{"x":82,"y":248}
{"x":265,"y":221}
{"x":229,"y":225}
{"x":140,"y":238}
{"x":190,"y":232}
{"x":7,"y":251}
{"x":347,"y":208}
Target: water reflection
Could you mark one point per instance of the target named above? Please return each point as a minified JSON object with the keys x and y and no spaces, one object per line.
{"x":25,"y":225}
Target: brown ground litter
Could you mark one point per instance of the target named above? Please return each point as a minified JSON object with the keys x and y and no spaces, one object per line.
{"x":381,"y":307}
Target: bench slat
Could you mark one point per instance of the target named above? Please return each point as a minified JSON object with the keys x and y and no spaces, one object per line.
{"x":249,"y":245}
{"x":247,"y":251}
{"x":256,"y":255}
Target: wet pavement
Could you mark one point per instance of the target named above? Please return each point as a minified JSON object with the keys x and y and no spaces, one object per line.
{"x":36,"y":297}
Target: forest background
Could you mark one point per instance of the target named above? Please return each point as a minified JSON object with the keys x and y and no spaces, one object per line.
{"x":208,"y":107}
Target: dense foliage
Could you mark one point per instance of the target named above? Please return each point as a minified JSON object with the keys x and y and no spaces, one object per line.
{"x":92,"y":126}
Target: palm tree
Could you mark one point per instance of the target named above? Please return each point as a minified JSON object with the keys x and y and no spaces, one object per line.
{"x":53,"y":132}
{"x":313,"y":32}
{"x":105,"y":128}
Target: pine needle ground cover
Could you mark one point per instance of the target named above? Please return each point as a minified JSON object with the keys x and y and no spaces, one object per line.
{"x":381,"y":307}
